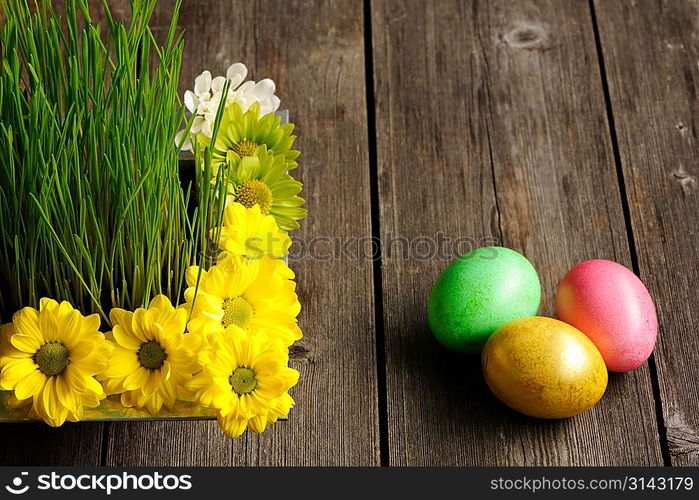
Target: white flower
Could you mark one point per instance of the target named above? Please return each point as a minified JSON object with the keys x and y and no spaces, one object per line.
{"x":204,"y":101}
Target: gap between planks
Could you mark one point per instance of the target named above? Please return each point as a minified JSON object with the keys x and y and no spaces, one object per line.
{"x":382,"y":387}
{"x":655,"y":384}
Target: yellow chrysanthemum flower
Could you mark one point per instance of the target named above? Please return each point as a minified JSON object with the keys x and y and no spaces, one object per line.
{"x":245,"y":376}
{"x":247,"y":232}
{"x":248,"y":294}
{"x":6,"y":348}
{"x":244,"y":133}
{"x":54,"y":355}
{"x":153,"y":358}
{"x":6,"y":332}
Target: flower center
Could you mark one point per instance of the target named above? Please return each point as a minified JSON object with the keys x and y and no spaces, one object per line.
{"x":151,"y":355}
{"x":52,"y":358}
{"x":254,"y":192}
{"x":243,"y":381}
{"x":245,"y":148}
{"x":237,"y":312}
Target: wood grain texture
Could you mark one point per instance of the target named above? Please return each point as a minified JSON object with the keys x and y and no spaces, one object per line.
{"x":491,"y":124}
{"x":653,"y":89}
{"x":314,"y":50}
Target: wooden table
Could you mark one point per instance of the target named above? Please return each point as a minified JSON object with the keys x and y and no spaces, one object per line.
{"x":564,"y":129}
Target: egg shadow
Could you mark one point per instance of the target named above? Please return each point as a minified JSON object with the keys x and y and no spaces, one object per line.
{"x":449,"y":389}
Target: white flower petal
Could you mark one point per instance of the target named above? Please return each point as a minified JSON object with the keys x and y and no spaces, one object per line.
{"x":191,"y":101}
{"x":187,"y":145}
{"x":217,"y":84}
{"x":236,"y":73}
{"x":202,"y":83}
{"x":197,"y":124}
{"x":207,"y":128}
{"x":269,"y":105}
{"x":244,"y":102}
{"x":178,"y":137}
{"x":214,"y":102}
{"x":211,"y":116}
{"x":231,"y":98}
{"x":265,"y":86}
{"x":246,"y":87}
{"x":208,"y":108}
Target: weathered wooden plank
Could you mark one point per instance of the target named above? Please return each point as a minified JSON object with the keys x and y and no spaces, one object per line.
{"x":651,"y":53}
{"x":491,"y":123}
{"x":314,"y":52}
{"x":166,"y":444}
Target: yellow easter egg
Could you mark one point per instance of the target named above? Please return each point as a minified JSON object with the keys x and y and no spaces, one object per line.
{"x":544,"y":368}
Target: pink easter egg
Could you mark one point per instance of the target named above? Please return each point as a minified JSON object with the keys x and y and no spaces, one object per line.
{"x":612,"y":306}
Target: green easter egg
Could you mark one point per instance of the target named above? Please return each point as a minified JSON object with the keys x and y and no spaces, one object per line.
{"x":479,"y":292}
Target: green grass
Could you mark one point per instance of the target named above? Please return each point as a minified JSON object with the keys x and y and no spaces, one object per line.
{"x":92,"y":209}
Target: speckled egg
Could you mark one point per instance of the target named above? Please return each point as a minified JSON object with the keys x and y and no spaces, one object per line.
{"x":477,"y":293}
{"x":612,"y":306}
{"x":544,"y":368}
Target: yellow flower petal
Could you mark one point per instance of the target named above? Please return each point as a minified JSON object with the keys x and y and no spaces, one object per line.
{"x":152,"y":383}
{"x":74,"y":378}
{"x":258,"y":424}
{"x":124,"y":339}
{"x":66,"y":396}
{"x":193,"y":274}
{"x":25,"y":343}
{"x":16,"y":370}
{"x":136,"y":379}
{"x":162,"y":303}
{"x":144,"y":328}
{"x":30,"y":385}
{"x":122,"y":364}
{"x":26,"y":322}
{"x":90,"y":323}
{"x":47,"y":320}
{"x":168,"y":390}
{"x":232,"y":426}
{"x":91,"y":365}
{"x":122,"y":317}
{"x":68,"y":324}
{"x":92,"y":385}
{"x":153,"y":405}
{"x":81,"y":350}
{"x":247,"y":232}
{"x":127,"y":399}
{"x":49,"y":399}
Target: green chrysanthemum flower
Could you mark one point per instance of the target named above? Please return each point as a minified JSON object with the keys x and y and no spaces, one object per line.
{"x":242,"y":134}
{"x":261,"y":179}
